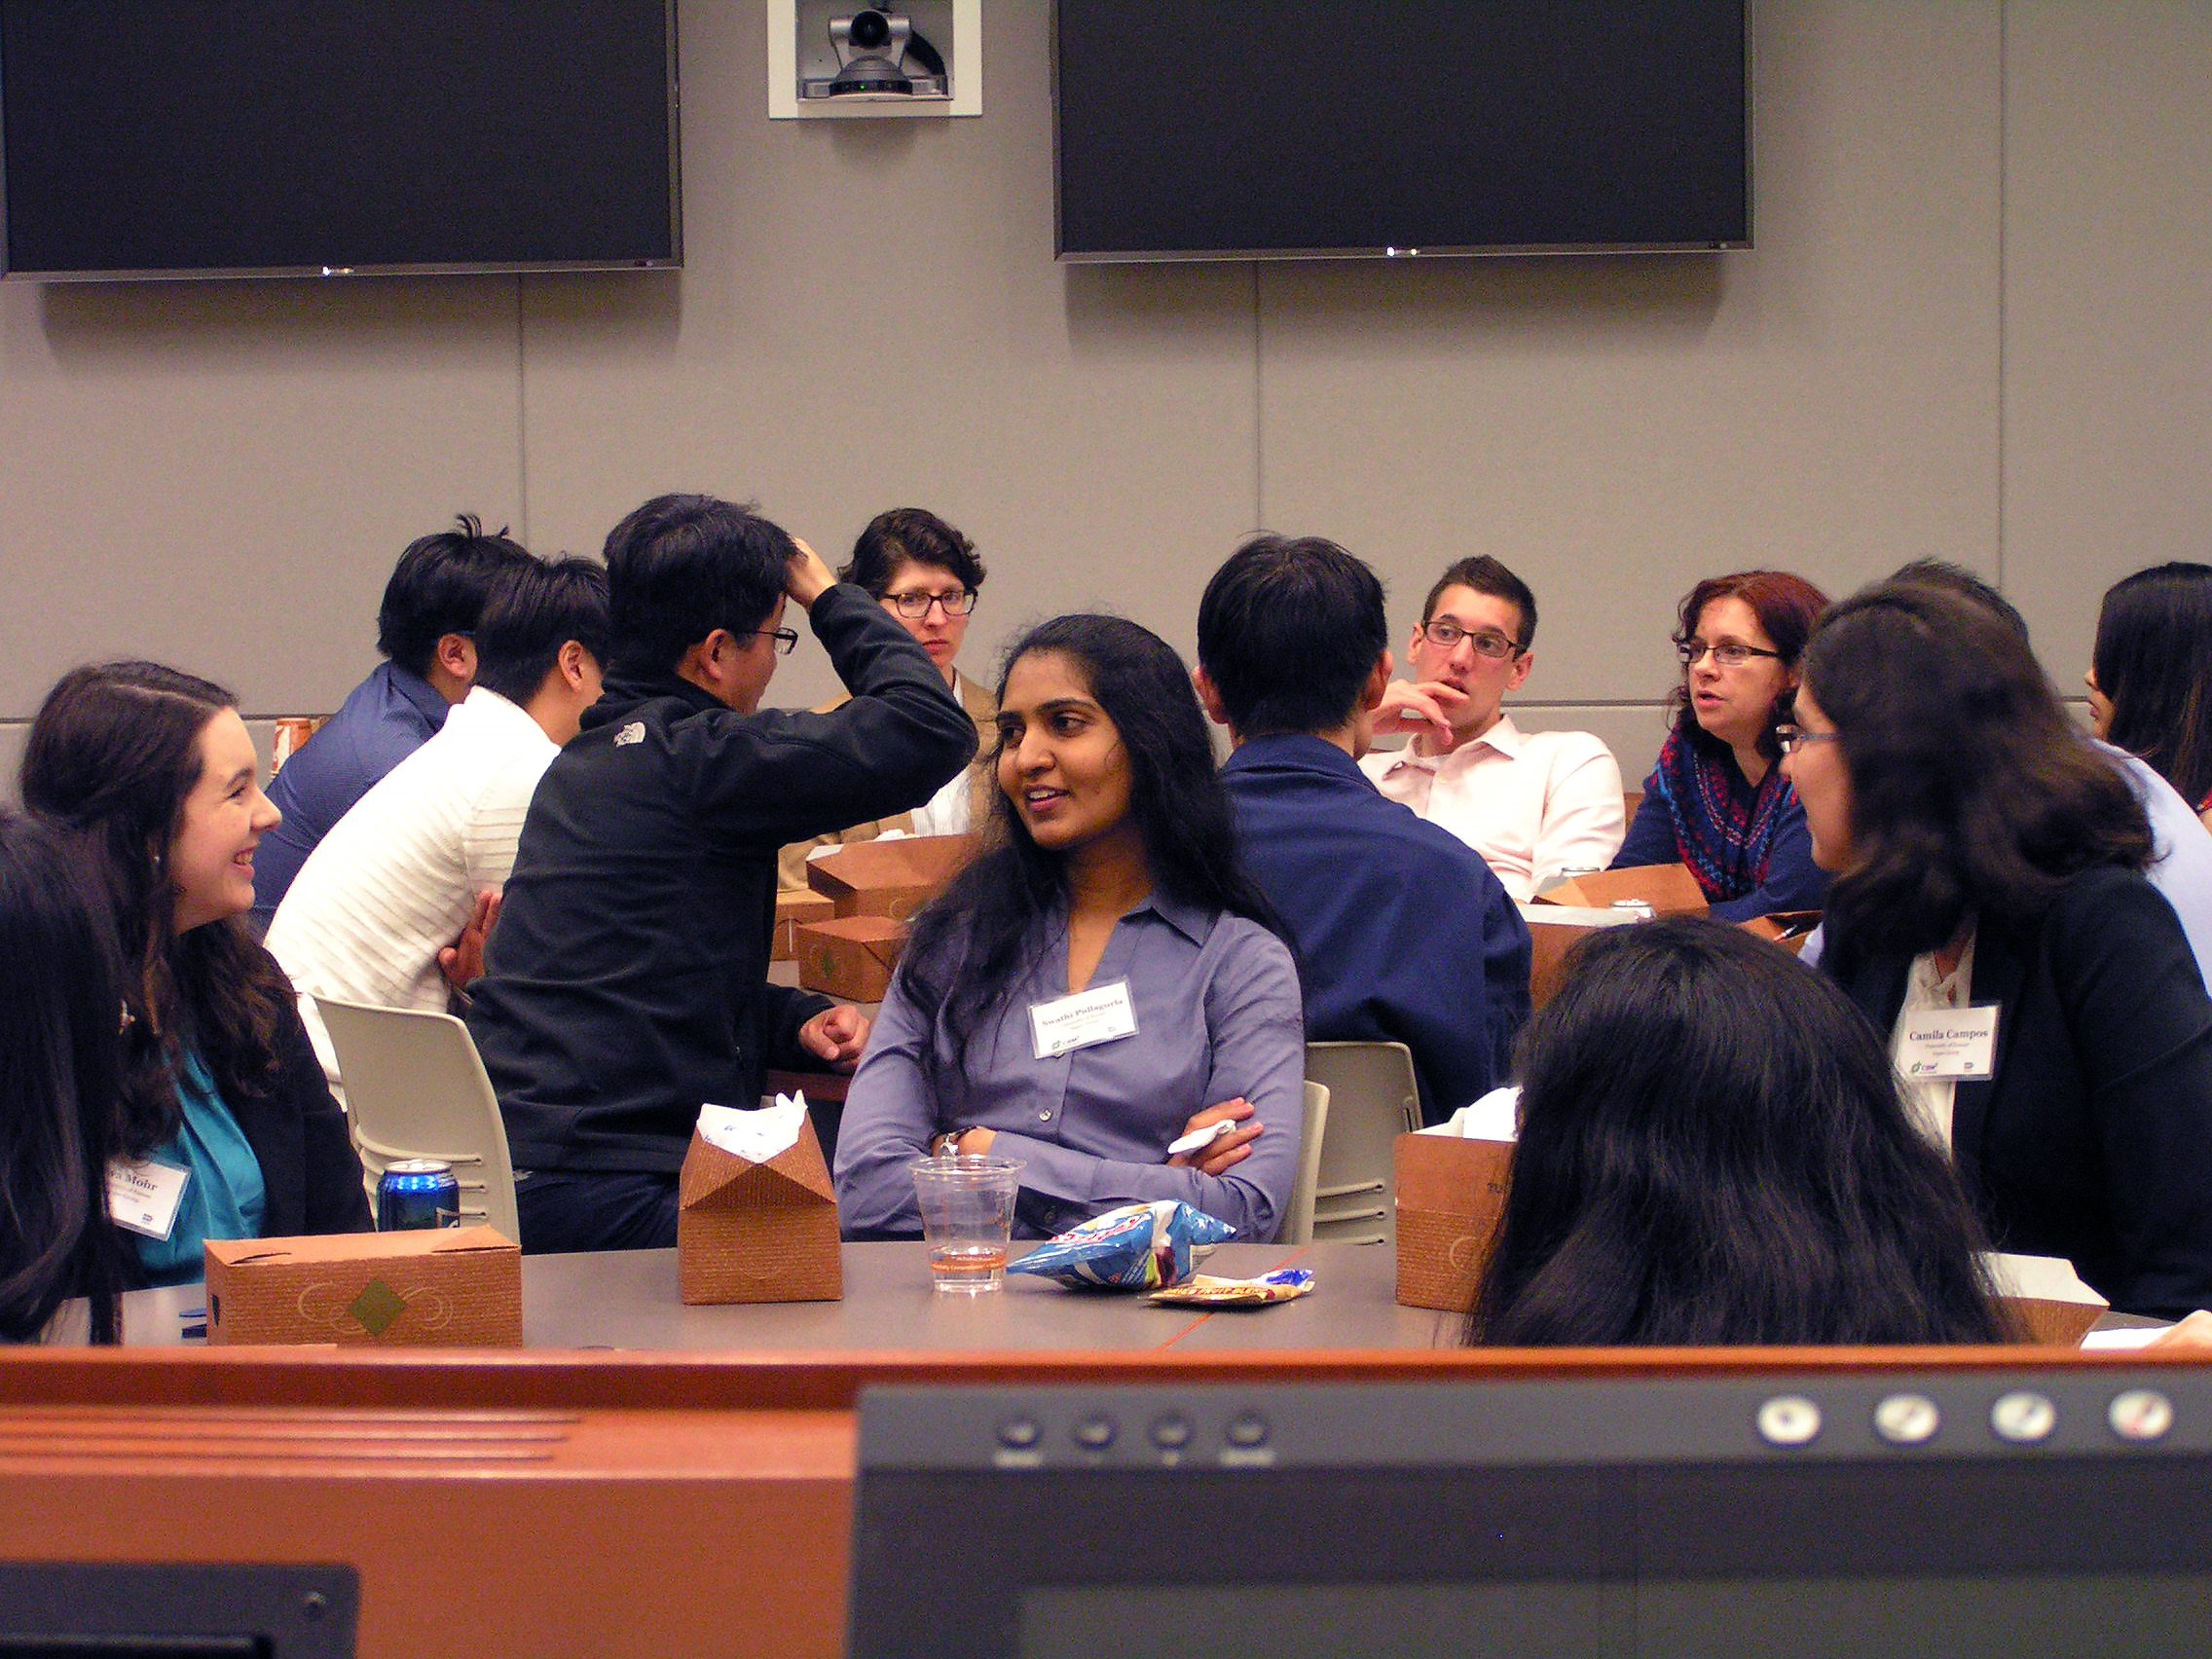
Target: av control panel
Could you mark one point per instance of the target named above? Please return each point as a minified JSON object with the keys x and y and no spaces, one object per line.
{"x":1816,"y":1418}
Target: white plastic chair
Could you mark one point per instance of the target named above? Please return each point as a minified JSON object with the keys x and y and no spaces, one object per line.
{"x":415,"y":1088}
{"x":1374,"y":1098}
{"x":1298,"y":1217}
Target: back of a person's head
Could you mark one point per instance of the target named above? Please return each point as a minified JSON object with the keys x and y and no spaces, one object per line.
{"x":680,"y":566}
{"x":1956,"y":578}
{"x":537,"y":608}
{"x":1487,"y":575}
{"x":60,"y":999}
{"x":906,"y":536}
{"x":1971,"y":789}
{"x":2154,"y":662}
{"x":1289,"y":630}
{"x":439,"y":587}
{"x":1713,"y":1150}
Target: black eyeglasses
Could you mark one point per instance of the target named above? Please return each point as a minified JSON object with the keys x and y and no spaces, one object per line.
{"x":1487,"y":642}
{"x":787,"y":638}
{"x":916,"y":605}
{"x":1789,"y":739}
{"x":1729,"y":654}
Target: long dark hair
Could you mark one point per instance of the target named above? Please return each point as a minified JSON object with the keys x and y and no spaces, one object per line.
{"x":2153,"y":660}
{"x":113,"y":752}
{"x":1787,"y":607}
{"x":970,"y":948}
{"x":59,"y":1086}
{"x":1971,"y":791}
{"x":1713,"y":1150}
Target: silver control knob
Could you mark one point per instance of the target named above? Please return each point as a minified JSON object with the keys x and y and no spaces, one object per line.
{"x":1907,"y":1420}
{"x":1789,"y":1420}
{"x":2023,"y":1417}
{"x":2140,"y":1413}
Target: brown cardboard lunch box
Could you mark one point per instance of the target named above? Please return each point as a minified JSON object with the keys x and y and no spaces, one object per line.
{"x":749,"y":1232}
{"x":436,"y":1287}
{"x":794,"y":910}
{"x":889,"y":878}
{"x":1451,"y":1194}
{"x":1669,"y":889}
{"x":849,"y":957}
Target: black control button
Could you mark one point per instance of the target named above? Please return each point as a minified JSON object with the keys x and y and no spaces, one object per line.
{"x":1249,"y":1430}
{"x":1020,"y":1433}
{"x":1095,"y":1433}
{"x":1171,"y":1433}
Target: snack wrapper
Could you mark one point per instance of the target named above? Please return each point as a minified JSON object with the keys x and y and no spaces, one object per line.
{"x":1135,"y":1247}
{"x":1205,"y":1291}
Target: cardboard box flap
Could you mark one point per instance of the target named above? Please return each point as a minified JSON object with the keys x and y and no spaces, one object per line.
{"x":808,"y":907}
{"x":1448,"y":1172}
{"x":876,"y":936}
{"x":911,"y":860}
{"x":1669,"y":889}
{"x":356,"y":1246}
{"x":796,"y":1175}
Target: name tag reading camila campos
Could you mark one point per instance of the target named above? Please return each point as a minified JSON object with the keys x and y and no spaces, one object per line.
{"x":1949,"y":1043}
{"x":1100,"y":1015}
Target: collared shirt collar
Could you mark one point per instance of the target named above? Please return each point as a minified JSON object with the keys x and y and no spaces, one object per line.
{"x":1193,"y":921}
{"x":1503,"y":736}
{"x":1293,"y":748}
{"x":419,"y":693}
{"x":625,"y":689}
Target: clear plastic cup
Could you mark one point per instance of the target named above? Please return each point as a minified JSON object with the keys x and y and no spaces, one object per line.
{"x":966,"y":1218}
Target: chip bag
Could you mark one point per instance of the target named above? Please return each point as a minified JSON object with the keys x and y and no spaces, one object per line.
{"x":1135,"y":1247}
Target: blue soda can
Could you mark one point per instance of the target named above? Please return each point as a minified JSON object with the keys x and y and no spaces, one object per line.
{"x":418,"y":1193}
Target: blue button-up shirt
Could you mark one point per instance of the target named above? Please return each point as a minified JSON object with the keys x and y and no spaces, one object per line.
{"x":1404,"y":934}
{"x":1217,"y":1017}
{"x":382,"y":721}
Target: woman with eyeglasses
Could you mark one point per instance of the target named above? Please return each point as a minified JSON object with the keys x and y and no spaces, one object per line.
{"x":926,"y":573}
{"x":1717,"y":801}
{"x":1990,"y":915}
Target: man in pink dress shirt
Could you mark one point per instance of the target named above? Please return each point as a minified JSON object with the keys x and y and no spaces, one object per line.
{"x":1533,"y":803}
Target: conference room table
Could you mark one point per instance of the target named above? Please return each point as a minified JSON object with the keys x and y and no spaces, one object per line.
{"x":628,"y":1300}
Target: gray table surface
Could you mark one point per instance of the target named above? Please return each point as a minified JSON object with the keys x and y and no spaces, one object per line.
{"x":628,"y":1300}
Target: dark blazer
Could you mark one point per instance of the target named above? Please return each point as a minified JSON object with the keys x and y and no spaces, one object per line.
{"x":2093,"y":1140}
{"x":298,"y":1134}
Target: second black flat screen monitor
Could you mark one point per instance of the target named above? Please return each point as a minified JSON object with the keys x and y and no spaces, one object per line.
{"x":1225,"y":129}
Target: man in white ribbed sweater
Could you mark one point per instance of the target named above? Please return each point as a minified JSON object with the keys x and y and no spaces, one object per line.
{"x":391,"y":907}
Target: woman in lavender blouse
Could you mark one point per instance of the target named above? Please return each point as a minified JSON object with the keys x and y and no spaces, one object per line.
{"x":1110,"y":872}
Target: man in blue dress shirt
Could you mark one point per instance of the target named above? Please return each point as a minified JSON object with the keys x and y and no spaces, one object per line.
{"x":424,"y":628}
{"x":1403,"y":934}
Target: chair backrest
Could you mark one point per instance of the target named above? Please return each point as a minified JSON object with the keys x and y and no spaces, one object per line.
{"x":1374,"y":1098}
{"x":415,"y":1088}
{"x":1297,"y":1219}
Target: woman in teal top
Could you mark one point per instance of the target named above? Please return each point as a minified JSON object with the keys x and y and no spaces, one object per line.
{"x":152,"y":772}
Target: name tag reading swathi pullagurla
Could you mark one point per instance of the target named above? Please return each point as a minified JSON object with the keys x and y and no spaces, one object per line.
{"x":1083,"y":1020}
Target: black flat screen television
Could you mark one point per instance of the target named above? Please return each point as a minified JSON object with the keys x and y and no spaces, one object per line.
{"x":1224,"y":129}
{"x":326,"y":137}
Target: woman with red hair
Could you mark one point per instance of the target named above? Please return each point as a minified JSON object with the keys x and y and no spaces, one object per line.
{"x":1717,"y":800}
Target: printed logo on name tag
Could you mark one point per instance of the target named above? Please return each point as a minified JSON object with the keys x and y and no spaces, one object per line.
{"x":1102,"y":1013}
{"x":1948,"y":1044}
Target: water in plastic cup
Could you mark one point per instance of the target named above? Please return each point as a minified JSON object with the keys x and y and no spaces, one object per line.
{"x":967,"y":1216}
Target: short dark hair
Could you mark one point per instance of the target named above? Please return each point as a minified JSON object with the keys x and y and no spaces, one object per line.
{"x":1713,"y":1150}
{"x":910,"y":536}
{"x":531,"y":614}
{"x":439,"y":587}
{"x":680,"y":567}
{"x":1971,"y":790}
{"x":1956,"y":578}
{"x":1288,"y":631}
{"x":2154,"y":662}
{"x":1486,"y":575}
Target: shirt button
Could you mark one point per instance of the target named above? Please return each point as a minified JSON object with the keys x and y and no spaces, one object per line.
{"x":1043,"y":1116}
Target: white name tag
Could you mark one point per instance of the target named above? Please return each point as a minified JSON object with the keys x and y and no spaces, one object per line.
{"x":1948,"y":1044}
{"x":1100,"y":1015}
{"x":143,"y":1197}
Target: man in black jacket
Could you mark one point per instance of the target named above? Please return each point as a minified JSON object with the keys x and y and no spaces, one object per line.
{"x":626,"y":981}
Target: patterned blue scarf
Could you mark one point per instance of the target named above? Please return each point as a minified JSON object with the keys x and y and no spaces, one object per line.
{"x":1723,"y":830}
